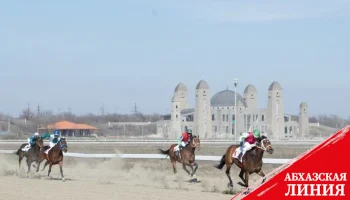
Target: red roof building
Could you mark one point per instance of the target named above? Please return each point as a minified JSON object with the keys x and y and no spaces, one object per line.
{"x":69,"y":129}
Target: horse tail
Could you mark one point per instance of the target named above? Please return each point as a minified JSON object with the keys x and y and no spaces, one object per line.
{"x":164,"y":152}
{"x":222,"y":163}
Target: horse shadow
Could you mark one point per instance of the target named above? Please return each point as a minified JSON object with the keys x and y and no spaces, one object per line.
{"x":56,"y":179}
{"x":192,"y":180}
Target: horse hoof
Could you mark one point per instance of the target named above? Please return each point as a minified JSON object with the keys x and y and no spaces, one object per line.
{"x":246,"y":192}
{"x":63,"y":179}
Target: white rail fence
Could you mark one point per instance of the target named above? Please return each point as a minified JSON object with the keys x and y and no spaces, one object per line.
{"x":153,"y":156}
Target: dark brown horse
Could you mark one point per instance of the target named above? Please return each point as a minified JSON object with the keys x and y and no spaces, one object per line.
{"x":55,"y":156}
{"x":32,"y":154}
{"x":187,"y":156}
{"x":251,"y":160}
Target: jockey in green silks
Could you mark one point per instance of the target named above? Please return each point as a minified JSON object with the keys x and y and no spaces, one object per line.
{"x":33,"y":139}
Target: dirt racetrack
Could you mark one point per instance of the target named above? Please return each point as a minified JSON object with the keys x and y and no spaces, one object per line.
{"x":90,"y":178}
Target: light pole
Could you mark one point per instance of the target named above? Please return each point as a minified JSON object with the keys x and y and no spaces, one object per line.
{"x":235,"y":81}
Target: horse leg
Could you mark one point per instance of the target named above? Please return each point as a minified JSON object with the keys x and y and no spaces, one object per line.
{"x":261,"y":173}
{"x":241,"y":175}
{"x":173,"y":162}
{"x":29,"y":162}
{"x":184,"y":167}
{"x":48,"y":174}
{"x":20,"y":159}
{"x":246,"y":182}
{"x":61,"y":170}
{"x":38,"y":165}
{"x":228,"y":168}
{"x":46,"y":163}
{"x":195,"y":165}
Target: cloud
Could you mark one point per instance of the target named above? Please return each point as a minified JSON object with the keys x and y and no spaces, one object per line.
{"x":260,"y":11}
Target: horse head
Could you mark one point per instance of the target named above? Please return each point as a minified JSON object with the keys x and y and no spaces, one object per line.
{"x":63,"y":145}
{"x":40,"y":142}
{"x":265,"y":144}
{"x":195,"y":142}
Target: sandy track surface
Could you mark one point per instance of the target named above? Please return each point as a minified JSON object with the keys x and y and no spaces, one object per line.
{"x":89,"y":178}
{"x":111,"y":179}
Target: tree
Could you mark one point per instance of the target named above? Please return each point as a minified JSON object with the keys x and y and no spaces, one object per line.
{"x":27,"y":113}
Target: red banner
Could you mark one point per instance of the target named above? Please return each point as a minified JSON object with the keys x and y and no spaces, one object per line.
{"x":319,"y":174}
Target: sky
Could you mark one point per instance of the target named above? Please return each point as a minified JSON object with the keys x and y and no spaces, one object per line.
{"x":85,"y":54}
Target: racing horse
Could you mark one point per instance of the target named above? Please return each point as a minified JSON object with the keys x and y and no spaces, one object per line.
{"x":54,"y":156}
{"x":32,"y":154}
{"x":186,"y":156}
{"x":251,"y":161}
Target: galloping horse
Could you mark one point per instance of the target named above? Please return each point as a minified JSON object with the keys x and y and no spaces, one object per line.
{"x":251,"y":160}
{"x":187,"y":155}
{"x":32,"y":154}
{"x":55,"y":155}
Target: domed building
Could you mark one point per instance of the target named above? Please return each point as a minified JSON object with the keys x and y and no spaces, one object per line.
{"x":217,"y":116}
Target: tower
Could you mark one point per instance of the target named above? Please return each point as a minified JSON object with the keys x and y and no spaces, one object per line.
{"x":304,"y":129}
{"x":181,"y":95}
{"x":275,"y":111}
{"x":178,"y":103}
{"x":251,"y":98}
{"x":202,"y":115}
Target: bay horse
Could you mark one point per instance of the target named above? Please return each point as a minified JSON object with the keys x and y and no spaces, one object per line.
{"x":32,"y":154}
{"x":187,"y":155}
{"x":251,"y":161}
{"x":55,"y":155}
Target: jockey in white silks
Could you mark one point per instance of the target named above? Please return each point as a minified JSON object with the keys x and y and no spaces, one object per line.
{"x":53,"y":140}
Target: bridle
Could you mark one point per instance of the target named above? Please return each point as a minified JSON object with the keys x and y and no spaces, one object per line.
{"x":62,"y":146}
{"x":194,"y":143}
{"x":39,"y":142}
{"x":262,"y":146}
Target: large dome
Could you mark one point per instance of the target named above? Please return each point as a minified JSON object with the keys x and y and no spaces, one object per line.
{"x":226,"y":98}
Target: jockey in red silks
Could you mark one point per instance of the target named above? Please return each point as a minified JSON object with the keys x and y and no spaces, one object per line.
{"x":247,"y":141}
{"x":183,"y":141}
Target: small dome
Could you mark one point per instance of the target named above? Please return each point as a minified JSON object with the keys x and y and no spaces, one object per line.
{"x":202,"y":85}
{"x":180,"y":87}
{"x":250,"y":89}
{"x":226,"y":98}
{"x":275,"y":86}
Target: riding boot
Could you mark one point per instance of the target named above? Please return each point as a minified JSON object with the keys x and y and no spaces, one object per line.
{"x":240,"y":156}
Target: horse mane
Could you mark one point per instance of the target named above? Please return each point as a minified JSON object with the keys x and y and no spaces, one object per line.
{"x":261,"y":138}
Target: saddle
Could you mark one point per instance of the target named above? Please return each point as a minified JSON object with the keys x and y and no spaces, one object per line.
{"x":26,"y":148}
{"x":238,"y":151}
{"x":178,"y":153}
{"x":47,"y":149}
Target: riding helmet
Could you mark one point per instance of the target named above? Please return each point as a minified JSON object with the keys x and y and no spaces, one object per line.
{"x":256,"y":133}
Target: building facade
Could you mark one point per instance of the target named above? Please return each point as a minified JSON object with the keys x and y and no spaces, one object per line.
{"x":214,"y":117}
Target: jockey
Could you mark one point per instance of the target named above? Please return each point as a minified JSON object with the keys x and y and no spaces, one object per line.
{"x":32,"y":139}
{"x":183,"y":141}
{"x":247,"y":141}
{"x":54,"y":138}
